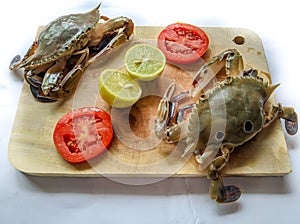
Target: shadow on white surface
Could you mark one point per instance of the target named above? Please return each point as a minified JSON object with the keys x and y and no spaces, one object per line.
{"x":190,"y":194}
{"x":170,"y":186}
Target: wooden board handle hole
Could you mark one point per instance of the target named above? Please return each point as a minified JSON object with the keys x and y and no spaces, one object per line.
{"x":239,"y":40}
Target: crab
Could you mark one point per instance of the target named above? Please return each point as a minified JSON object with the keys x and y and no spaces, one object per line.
{"x":215,"y":121}
{"x":65,"y":47}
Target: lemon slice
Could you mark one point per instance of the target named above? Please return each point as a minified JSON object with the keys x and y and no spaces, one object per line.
{"x":118,"y":89}
{"x":144,"y":62}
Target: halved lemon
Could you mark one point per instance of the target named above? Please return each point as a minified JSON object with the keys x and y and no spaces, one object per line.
{"x":118,"y":89}
{"x":144,"y":62}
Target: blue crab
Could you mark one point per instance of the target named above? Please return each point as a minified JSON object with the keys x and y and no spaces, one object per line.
{"x":65,"y":47}
{"x":218,"y":120}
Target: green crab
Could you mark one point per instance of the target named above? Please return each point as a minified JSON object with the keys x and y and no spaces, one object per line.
{"x":64,"y":49}
{"x":229,"y":114}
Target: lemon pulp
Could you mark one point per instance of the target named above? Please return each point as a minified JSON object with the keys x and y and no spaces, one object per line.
{"x":118,"y":89}
{"x":144,"y":62}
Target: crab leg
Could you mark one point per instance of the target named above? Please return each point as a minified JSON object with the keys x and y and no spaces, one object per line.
{"x":17,"y":62}
{"x":79,"y":67}
{"x":119,"y":39}
{"x":219,"y":192}
{"x":230,"y":59}
{"x":55,"y":84}
{"x":286,"y":113}
{"x":207,"y":156}
{"x":110,"y":28}
{"x":291,"y":119}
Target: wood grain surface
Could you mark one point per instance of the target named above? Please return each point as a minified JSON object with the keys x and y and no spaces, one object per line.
{"x":135,"y":151}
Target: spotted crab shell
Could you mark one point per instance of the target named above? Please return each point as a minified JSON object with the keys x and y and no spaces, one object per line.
{"x":230,"y":114}
{"x":63,"y":36}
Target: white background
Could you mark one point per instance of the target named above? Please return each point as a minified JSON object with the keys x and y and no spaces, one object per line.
{"x":27,"y":199}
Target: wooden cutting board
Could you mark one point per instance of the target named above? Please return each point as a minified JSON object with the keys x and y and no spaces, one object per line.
{"x":135,"y":150}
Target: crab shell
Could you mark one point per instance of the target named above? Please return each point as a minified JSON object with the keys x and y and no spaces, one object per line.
{"x":62,"y":37}
{"x":230,"y":114}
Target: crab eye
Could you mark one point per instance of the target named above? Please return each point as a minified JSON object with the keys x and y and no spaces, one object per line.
{"x":219,"y":135}
{"x":248,"y":126}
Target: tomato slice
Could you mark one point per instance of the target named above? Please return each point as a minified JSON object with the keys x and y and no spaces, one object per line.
{"x":182,"y":43}
{"x":83,"y":134}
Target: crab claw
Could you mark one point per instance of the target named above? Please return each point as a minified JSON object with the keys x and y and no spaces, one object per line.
{"x":165,"y":111}
{"x":230,"y":59}
{"x":168,"y":112}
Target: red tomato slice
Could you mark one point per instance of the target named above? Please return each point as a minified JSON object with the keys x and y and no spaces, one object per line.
{"x":182,"y":43}
{"x":83,"y":134}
